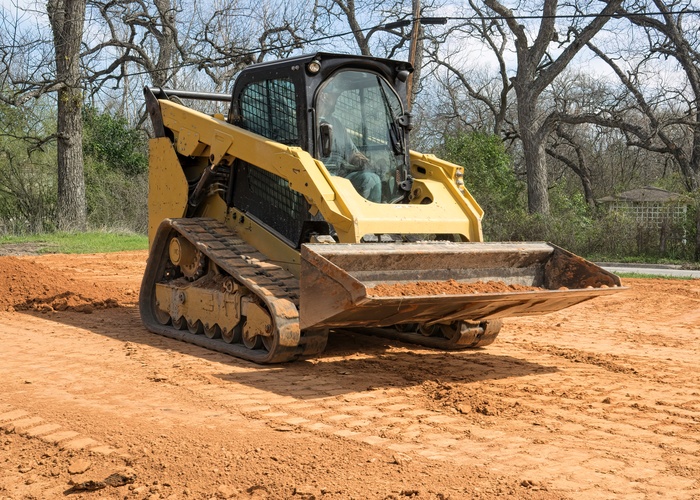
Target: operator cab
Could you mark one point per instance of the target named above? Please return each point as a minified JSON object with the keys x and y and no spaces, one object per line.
{"x":345,"y":110}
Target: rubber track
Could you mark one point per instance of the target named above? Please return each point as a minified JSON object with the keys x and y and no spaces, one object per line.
{"x":250,"y":268}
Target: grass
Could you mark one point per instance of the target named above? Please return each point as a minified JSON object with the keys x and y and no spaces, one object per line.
{"x":90,"y":242}
{"x":643,"y":259}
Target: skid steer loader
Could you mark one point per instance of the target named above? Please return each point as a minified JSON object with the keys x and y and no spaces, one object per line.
{"x":303,"y":210}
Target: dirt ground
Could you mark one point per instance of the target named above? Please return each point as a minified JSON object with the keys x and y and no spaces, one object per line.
{"x":599,"y":401}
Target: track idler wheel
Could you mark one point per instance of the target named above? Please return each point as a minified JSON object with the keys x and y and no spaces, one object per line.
{"x":462,"y":332}
{"x":258,"y":327}
{"x":429,"y":330}
{"x":195,"y":327}
{"x":232,"y":335}
{"x":182,"y":253}
{"x":252,"y":341}
{"x":491,"y":329}
{"x":454,"y":336}
{"x":163,"y":317}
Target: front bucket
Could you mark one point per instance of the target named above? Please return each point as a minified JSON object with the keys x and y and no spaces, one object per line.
{"x":384,"y":284}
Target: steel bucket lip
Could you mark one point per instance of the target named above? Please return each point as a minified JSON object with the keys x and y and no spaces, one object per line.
{"x":386,"y":311}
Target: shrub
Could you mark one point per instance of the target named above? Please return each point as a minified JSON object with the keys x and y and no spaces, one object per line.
{"x":116,"y":165}
{"x":110,"y":140}
{"x":116,"y":200}
{"x":28,"y":176}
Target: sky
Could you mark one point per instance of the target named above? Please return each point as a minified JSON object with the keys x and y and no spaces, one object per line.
{"x":469,"y":52}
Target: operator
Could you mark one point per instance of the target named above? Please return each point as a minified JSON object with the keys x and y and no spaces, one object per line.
{"x":350,"y":162}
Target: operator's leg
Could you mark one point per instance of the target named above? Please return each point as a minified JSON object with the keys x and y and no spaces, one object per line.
{"x":368,"y":184}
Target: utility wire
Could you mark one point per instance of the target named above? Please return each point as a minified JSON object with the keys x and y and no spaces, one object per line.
{"x":426,"y":20}
{"x":576,"y":16}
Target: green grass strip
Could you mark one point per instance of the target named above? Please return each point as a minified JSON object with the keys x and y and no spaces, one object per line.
{"x":90,"y":242}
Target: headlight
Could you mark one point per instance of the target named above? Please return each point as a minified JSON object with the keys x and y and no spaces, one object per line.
{"x":313,"y":67}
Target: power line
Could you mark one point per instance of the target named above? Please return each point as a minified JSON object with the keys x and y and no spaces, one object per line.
{"x":576,"y":16}
{"x":428,"y":21}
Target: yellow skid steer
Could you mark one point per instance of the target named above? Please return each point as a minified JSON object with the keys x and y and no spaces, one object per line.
{"x":303,"y":211}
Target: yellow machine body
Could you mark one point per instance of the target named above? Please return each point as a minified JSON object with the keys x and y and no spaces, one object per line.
{"x":452,"y":209}
{"x":217,"y":269}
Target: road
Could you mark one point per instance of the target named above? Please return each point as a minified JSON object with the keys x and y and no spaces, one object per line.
{"x":652,"y":270}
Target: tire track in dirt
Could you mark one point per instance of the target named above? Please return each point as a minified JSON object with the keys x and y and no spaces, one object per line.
{"x":21,"y":422}
{"x":587,"y":402}
{"x":399,"y":420}
{"x":80,"y":374}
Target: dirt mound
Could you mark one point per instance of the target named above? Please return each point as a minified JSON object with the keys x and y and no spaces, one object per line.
{"x":30,"y":285}
{"x":469,"y":401}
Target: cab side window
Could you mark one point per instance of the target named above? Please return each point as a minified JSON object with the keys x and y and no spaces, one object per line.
{"x":269,"y":108}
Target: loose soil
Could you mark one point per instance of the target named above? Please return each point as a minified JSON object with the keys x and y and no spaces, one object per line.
{"x":449,"y":287}
{"x":598,"y":401}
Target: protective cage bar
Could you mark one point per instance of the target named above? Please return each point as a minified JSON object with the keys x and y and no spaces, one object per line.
{"x":162,"y":93}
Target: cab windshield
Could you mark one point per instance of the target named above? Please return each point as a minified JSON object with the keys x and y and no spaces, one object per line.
{"x":358,"y":135}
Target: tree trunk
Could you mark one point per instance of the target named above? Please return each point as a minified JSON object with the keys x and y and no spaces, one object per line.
{"x":67,"y":18}
{"x":534,"y":155}
{"x":166,"y":44}
{"x":536,"y":167}
{"x":588,"y":192}
{"x":415,"y":56}
{"x":697,"y":230}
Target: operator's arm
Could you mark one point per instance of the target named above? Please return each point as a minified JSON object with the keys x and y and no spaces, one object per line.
{"x":343,"y":151}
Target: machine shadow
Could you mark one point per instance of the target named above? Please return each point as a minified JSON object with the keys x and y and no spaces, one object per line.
{"x":354,"y":363}
{"x":351,"y":363}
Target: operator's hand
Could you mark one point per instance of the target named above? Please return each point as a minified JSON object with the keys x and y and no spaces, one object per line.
{"x":359,"y":160}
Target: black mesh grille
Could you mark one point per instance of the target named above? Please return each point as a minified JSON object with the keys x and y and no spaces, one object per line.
{"x":268,"y":108}
{"x":275,"y":191}
{"x":269,"y":199}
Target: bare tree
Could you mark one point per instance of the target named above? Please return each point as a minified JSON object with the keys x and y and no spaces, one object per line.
{"x":137,"y":34}
{"x":67,"y":18}
{"x":667,"y":120}
{"x":537,"y":69}
{"x":578,"y":147}
{"x":159,"y":44}
{"x":562,"y":149}
{"x":329,"y":12}
{"x":26,"y":57}
{"x":467,"y":80}
{"x":664,"y":119}
{"x":385,"y":29}
{"x":229,"y":38}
